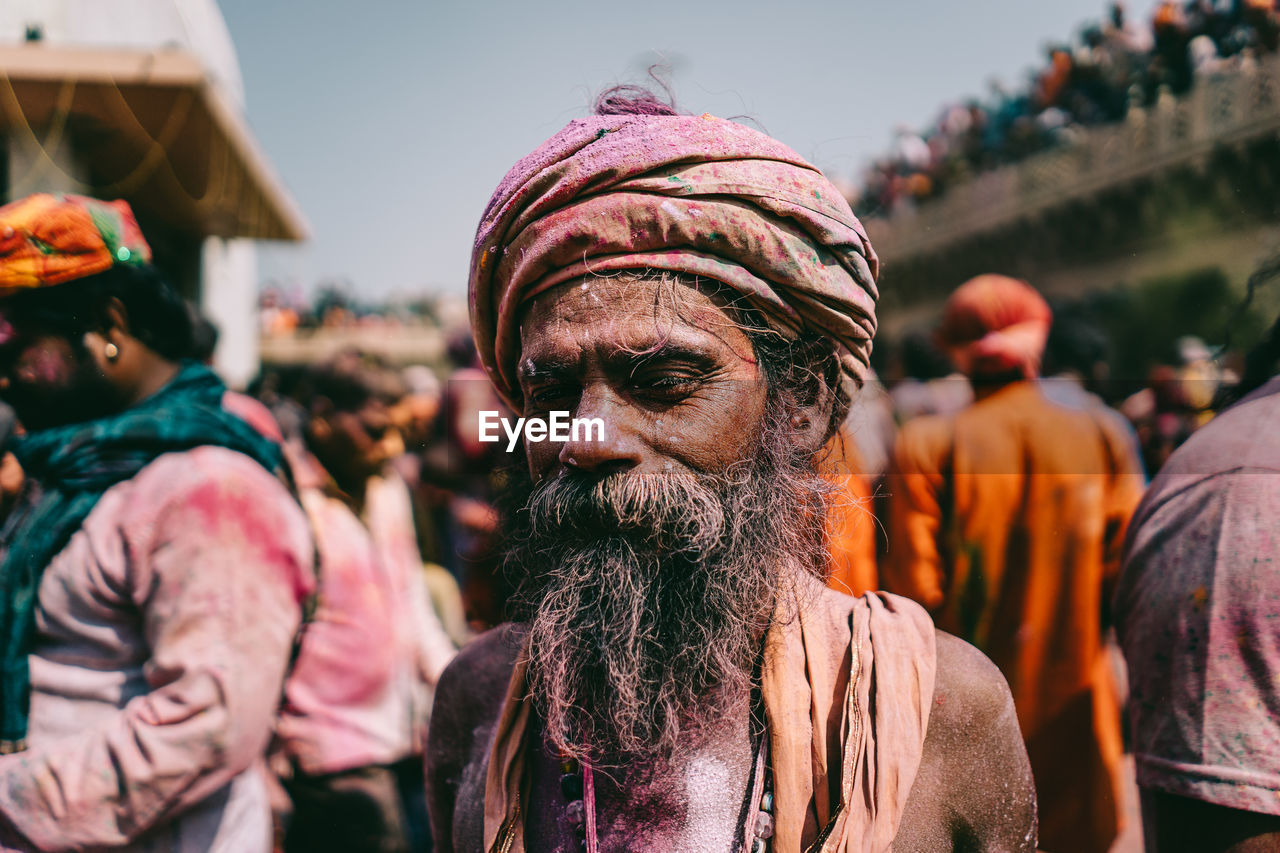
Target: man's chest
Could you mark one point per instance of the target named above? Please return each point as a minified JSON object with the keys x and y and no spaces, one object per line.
{"x":697,"y":801}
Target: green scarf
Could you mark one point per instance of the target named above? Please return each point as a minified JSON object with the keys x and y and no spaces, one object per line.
{"x":74,"y":465}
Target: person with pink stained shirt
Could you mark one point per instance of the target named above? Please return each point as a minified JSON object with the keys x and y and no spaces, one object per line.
{"x":358,"y":702}
{"x":154,"y":571}
{"x":1198,"y":616}
{"x":343,"y":724}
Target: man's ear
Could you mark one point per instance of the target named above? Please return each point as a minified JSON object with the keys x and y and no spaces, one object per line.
{"x":810,"y":423}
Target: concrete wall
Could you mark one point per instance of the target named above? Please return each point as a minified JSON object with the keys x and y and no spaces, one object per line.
{"x":229,"y":297}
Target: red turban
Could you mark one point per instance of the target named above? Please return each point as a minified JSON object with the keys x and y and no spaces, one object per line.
{"x":995,"y":324}
{"x":690,"y":194}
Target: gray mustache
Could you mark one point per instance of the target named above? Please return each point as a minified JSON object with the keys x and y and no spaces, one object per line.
{"x":679,"y":509}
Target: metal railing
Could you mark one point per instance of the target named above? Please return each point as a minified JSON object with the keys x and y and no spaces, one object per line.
{"x":1222,"y":108}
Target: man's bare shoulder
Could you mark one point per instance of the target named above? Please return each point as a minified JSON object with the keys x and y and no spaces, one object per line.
{"x":974,"y":790}
{"x":467,"y":704}
{"x":969,"y":687}
{"x":476,"y":679}
{"x":469,"y":697}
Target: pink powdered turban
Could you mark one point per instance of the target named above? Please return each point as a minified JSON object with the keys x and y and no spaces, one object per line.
{"x":994,"y":324}
{"x":691,"y":194}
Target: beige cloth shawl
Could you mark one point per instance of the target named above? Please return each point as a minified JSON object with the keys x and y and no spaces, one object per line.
{"x":869,"y":672}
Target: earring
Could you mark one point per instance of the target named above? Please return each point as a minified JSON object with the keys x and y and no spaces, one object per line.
{"x":111,"y":351}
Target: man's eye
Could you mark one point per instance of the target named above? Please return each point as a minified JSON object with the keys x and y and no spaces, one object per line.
{"x":666,"y":385}
{"x":547,"y":395}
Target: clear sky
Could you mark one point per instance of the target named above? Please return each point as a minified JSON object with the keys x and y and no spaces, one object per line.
{"x":392,"y":121}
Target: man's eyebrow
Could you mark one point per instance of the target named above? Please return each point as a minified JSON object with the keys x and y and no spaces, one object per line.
{"x":555,"y":366}
{"x":669,"y":350}
{"x":549,"y":366}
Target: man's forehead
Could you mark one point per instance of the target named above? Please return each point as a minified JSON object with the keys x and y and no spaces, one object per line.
{"x":635,"y":316}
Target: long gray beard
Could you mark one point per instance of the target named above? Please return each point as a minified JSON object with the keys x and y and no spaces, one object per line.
{"x":647,"y":595}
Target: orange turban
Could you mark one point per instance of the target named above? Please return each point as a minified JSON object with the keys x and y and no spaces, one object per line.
{"x":49,"y":239}
{"x":995,"y":324}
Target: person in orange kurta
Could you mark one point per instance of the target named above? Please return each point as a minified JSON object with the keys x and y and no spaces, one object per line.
{"x":851,"y":522}
{"x":854,"y":462}
{"x":1006,"y":521}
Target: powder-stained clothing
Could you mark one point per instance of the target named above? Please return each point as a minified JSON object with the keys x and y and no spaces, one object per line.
{"x":1198,"y":611}
{"x":426,"y":648}
{"x":163,"y":632}
{"x":847,"y":686}
{"x":1006,"y":521}
{"x":347,"y":698}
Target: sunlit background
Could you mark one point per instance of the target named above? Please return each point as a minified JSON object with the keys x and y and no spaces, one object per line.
{"x":335,"y":157}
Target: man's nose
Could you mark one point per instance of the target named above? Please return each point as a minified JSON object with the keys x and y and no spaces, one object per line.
{"x":605,"y":438}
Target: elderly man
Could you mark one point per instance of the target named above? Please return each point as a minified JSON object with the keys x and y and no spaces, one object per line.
{"x":679,"y":678}
{"x":1006,"y":521}
{"x":154,"y":569}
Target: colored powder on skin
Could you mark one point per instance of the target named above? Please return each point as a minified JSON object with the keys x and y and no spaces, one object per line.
{"x":710,"y":826}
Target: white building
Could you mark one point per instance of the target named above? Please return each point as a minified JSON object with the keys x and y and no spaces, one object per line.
{"x":143,"y":100}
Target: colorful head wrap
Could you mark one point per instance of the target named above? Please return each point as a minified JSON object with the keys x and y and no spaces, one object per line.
{"x":50,"y":239}
{"x":994,"y":324}
{"x":690,"y":194}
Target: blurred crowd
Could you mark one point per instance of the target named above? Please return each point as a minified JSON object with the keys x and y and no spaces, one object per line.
{"x":933,"y":501}
{"x":1111,"y":66}
{"x":227,"y":617}
{"x":383,"y":452}
{"x":1177,"y":396}
{"x":919,"y":379}
{"x":420,"y":424}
